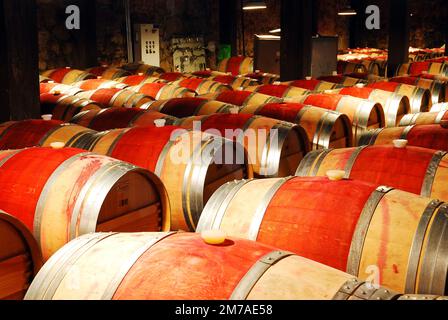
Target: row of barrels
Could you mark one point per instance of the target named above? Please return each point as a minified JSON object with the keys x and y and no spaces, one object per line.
{"x":410,"y":259}
{"x":430,"y":181}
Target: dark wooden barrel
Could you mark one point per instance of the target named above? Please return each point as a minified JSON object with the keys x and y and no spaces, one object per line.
{"x":412,"y":169}
{"x":60,"y":194}
{"x":20,"y":258}
{"x":348,"y":225}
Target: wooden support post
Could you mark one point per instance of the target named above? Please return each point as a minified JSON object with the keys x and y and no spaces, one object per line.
{"x":296,"y":42}
{"x":19,"y":61}
{"x":398,"y":35}
{"x":84,"y":39}
{"x":228,"y":24}
{"x":357,"y":23}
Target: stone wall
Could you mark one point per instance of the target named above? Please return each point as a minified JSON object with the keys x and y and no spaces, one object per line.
{"x":190,"y":18}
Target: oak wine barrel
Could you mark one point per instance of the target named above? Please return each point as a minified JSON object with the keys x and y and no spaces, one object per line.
{"x":201,"y":86}
{"x":20,"y":258}
{"x":236,"y":82}
{"x":344,"y":81}
{"x":314,"y":85}
{"x":116,"y":97}
{"x":108,"y":73}
{"x":419,"y":99}
{"x":67,"y":75}
{"x":65,"y":107}
{"x":188,"y":107}
{"x":263,"y":77}
{"x":181,"y":266}
{"x":348,"y":225}
{"x":439,"y":107}
{"x":419,"y":68}
{"x":172,"y":76}
{"x":243,"y":98}
{"x":346,"y":67}
{"x":416,"y":170}
{"x":57,"y":88}
{"x":395,"y":105}
{"x":279,"y":90}
{"x":35,"y":133}
{"x":145,"y":69}
{"x":191,"y":165}
{"x":94,"y":84}
{"x":274,"y":147}
{"x":425,"y":136}
{"x":363,"y":114}
{"x":136,"y":80}
{"x":118,"y":118}
{"x":325,"y":128}
{"x":424,"y":118}
{"x":237,"y":65}
{"x":163,"y":91}
{"x":438,"y":89}
{"x":60,"y":194}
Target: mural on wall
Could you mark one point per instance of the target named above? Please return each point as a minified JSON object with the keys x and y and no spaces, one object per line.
{"x":188,"y":54}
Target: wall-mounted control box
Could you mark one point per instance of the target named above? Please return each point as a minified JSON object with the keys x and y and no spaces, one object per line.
{"x":147,"y":44}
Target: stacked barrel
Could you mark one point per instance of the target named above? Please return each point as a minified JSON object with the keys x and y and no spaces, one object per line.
{"x":227,"y":185}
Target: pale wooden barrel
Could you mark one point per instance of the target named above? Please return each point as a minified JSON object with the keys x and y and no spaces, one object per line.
{"x":338,"y":223}
{"x":140,"y":267}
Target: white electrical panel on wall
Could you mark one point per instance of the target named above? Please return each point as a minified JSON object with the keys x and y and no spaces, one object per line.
{"x":147,"y":44}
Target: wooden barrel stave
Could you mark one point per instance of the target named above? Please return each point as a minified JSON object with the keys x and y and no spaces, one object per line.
{"x":188,"y":107}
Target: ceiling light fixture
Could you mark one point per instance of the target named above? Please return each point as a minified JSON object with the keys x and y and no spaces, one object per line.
{"x":255,"y":5}
{"x":276,"y":31}
{"x":348,"y":11}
